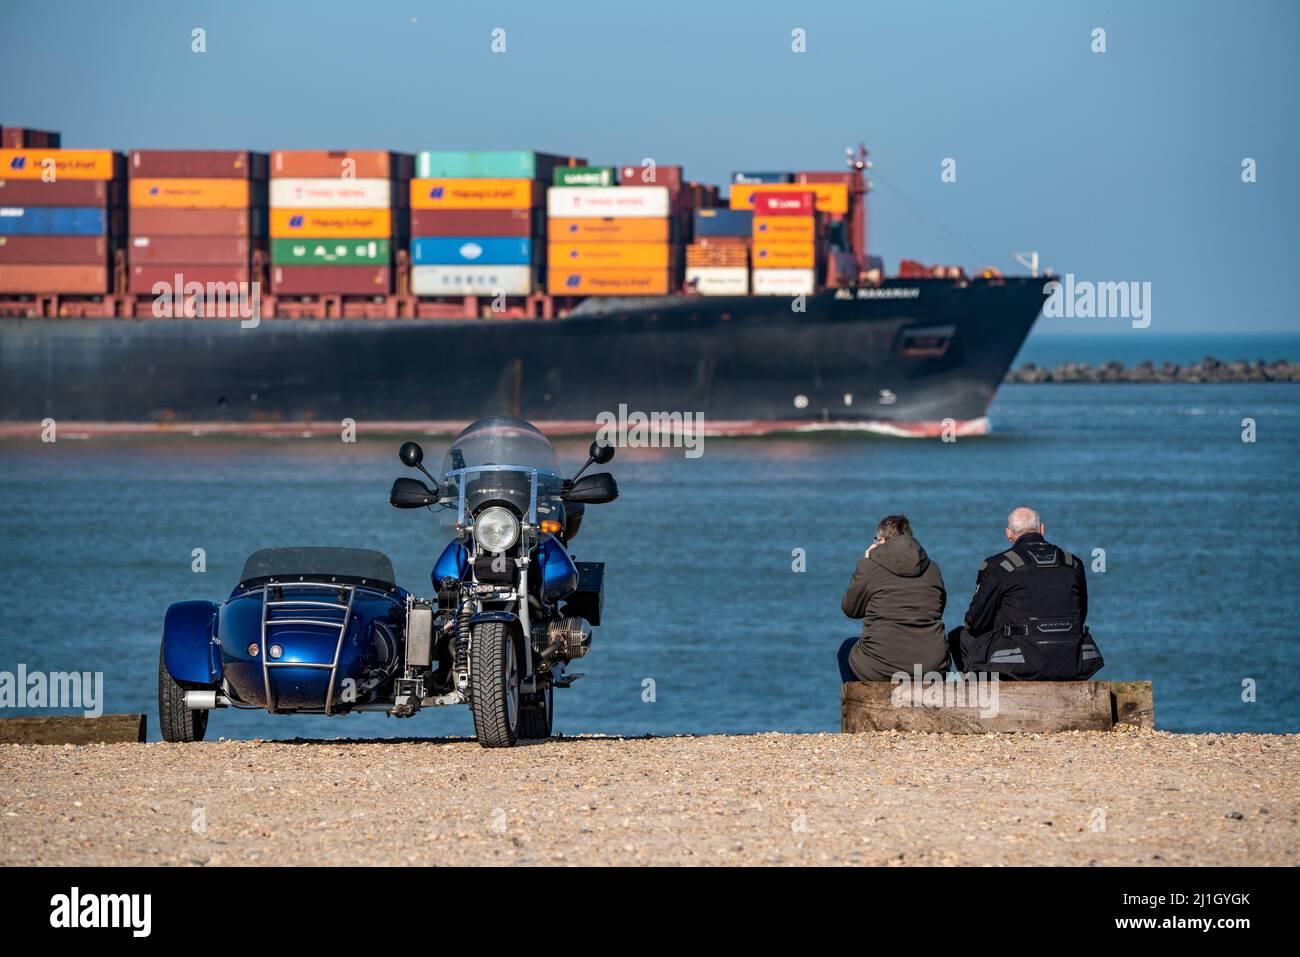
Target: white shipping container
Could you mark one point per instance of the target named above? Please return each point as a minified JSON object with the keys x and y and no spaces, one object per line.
{"x":570,"y":202}
{"x":332,"y":193}
{"x":784,"y":282}
{"x":718,"y":280}
{"x":471,"y":280}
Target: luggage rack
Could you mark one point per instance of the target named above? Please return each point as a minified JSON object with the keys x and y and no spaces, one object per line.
{"x":268,"y":604}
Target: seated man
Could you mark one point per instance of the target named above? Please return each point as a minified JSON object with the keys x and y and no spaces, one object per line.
{"x":1026,"y":618}
{"x":898,"y":593}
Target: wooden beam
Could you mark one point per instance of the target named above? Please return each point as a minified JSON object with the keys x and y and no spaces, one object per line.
{"x":1019,"y":706}
{"x":1133,"y":702}
{"x":72,"y":729}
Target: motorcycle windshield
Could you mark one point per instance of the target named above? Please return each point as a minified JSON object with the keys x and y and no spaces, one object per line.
{"x":494,"y":461}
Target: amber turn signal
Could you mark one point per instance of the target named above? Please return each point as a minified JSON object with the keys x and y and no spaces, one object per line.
{"x":550,"y":526}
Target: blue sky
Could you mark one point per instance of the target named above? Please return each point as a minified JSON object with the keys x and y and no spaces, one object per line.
{"x":1116,"y":166}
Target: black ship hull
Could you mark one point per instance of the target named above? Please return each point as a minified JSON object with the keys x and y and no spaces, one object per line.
{"x":911,"y":356}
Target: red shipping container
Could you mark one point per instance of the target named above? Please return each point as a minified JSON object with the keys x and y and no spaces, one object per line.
{"x":197,"y":164}
{"x":142,"y":279}
{"x":322,"y":280}
{"x":670,"y":176}
{"x":65,"y":192}
{"x":206,"y":250}
{"x":197,"y":222}
{"x":90,"y":279}
{"x":53,"y":249}
{"x":19,"y":138}
{"x":828,"y":177}
{"x":366,"y":164}
{"x":475,"y":222}
{"x":776,"y":203}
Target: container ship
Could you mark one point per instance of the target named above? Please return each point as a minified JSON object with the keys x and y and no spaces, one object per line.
{"x":287,"y":293}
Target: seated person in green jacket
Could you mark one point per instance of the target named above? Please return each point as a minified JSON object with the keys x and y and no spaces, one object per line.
{"x":898,"y":593}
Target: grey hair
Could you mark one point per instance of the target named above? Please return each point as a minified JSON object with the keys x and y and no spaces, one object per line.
{"x":1022,"y":520}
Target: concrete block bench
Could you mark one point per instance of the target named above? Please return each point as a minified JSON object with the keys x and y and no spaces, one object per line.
{"x":965,"y":707}
{"x":72,"y":729}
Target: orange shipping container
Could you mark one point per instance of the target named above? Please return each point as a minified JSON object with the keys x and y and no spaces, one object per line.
{"x":784,"y":256}
{"x":325,"y":164}
{"x":626,"y":230}
{"x":830,"y":197}
{"x":85,"y":280}
{"x":785,"y":229}
{"x":331,"y":223}
{"x":475,"y":193}
{"x":651,"y":255}
{"x":178,"y":193}
{"x":67,"y":164}
{"x":562,"y":281}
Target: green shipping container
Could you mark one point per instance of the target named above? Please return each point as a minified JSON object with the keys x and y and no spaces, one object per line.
{"x":330,"y":252}
{"x":492,"y":164}
{"x":585,"y":176}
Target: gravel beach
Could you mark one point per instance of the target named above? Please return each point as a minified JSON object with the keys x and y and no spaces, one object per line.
{"x":1083,"y":798}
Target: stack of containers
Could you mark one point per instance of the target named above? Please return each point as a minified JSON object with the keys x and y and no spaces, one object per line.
{"x":785,"y":243}
{"x":609,"y":240}
{"x":841,"y":266}
{"x":61,"y":220}
{"x":717,"y":262}
{"x":336,"y":216}
{"x":476,"y":221}
{"x":196,"y":216}
{"x":19,"y":138}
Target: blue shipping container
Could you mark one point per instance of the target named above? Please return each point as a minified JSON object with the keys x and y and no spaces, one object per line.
{"x":724,"y":222}
{"x":483,"y":251}
{"x":53,"y":221}
{"x":755,"y":179}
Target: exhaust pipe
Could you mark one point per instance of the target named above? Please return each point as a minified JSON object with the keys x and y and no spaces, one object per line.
{"x":205,"y":700}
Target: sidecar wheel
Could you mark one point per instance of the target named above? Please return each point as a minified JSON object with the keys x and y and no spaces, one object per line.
{"x":535,"y":721}
{"x":178,"y":722}
{"x":494,"y":684}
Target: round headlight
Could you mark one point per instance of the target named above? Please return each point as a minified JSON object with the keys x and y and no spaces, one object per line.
{"x":496,"y":529}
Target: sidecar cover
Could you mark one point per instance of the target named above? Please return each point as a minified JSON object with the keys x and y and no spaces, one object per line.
{"x":289,"y":564}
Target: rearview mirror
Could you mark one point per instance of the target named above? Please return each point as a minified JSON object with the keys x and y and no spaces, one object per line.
{"x":411,"y":493}
{"x":593,"y":489}
{"x":411,"y":454}
{"x":600,"y":454}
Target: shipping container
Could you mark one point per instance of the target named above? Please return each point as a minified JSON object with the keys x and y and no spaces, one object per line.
{"x":564,"y":281}
{"x":52,"y":250}
{"x":784,"y":282}
{"x":331,"y":280}
{"x":341,"y":164}
{"x":332,"y":193}
{"x":178,"y":193}
{"x":836,"y":176}
{"x":331,"y":223}
{"x":724,"y":222}
{"x":65,"y":164}
{"x":797,"y":229}
{"x":198,"y":222}
{"x":57,"y":221}
{"x":718,"y":280}
{"x":468,"y":251}
{"x":217,"y":281}
{"x":751,"y":179}
{"x":326,"y":252}
{"x":472,"y":280}
{"x":609,"y":229}
{"x":830,"y":197}
{"x":669,"y":177}
{"x":490,"y":164}
{"x":72,"y":192}
{"x":586,"y":176}
{"x":783,"y":204}
{"x":197,"y":164}
{"x":18,"y":137}
{"x":784,"y":255}
{"x":651,"y":255}
{"x":196,"y":250}
{"x":574,"y":202}
{"x":475,"y":193}
{"x":476,"y":222}
{"x":733,"y":255}
{"x":91,"y":279}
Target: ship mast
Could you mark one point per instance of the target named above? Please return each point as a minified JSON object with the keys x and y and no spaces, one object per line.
{"x":859,"y":186}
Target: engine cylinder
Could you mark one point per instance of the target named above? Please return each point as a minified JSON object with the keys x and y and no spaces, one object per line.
{"x":571,"y":637}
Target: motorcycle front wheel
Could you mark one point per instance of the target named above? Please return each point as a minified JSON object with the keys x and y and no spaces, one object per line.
{"x":494,"y":684}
